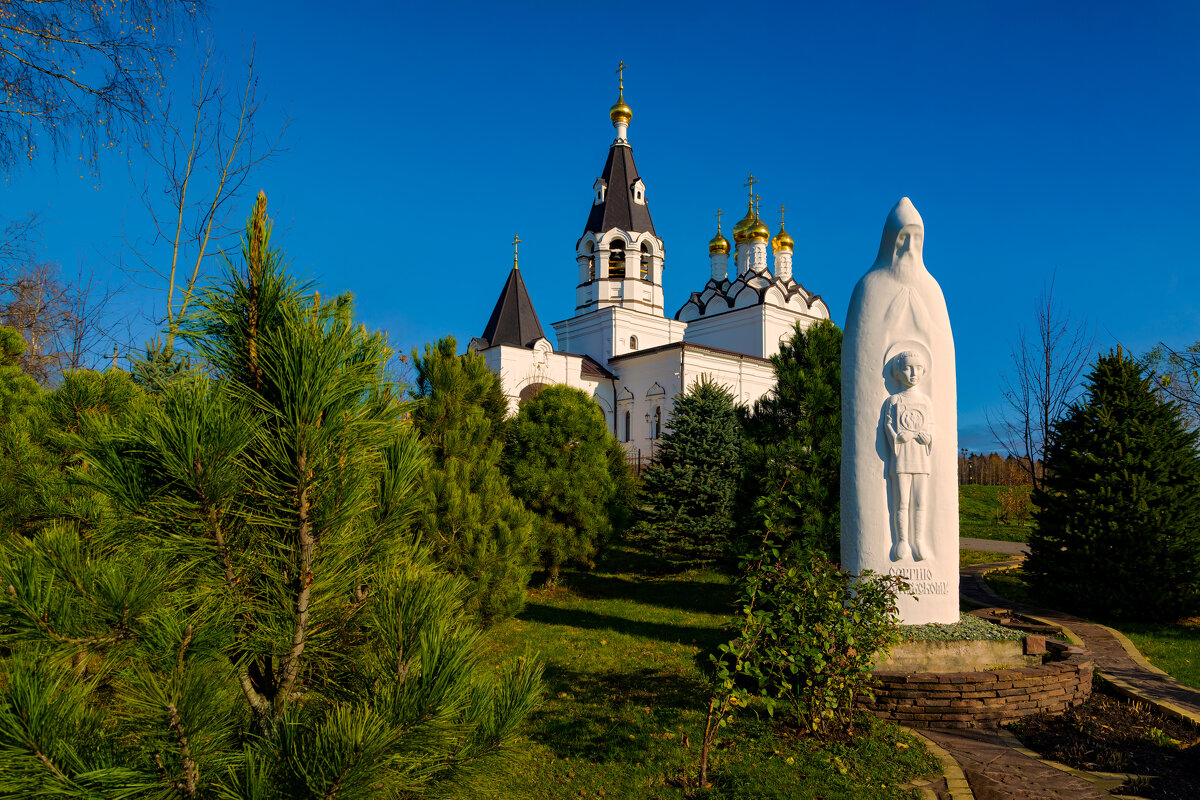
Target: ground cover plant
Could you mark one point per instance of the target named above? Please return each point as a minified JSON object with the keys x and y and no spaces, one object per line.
{"x":982,"y":513}
{"x":626,"y":648}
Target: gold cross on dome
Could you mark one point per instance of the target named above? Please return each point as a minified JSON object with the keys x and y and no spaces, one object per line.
{"x":749,"y":184}
{"x":782,"y":211}
{"x":719,"y":213}
{"x":621,"y":75}
{"x":516,"y":241}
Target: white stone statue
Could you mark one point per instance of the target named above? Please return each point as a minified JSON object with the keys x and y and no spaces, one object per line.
{"x":899,"y":472}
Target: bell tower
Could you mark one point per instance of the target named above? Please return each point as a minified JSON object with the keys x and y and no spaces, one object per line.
{"x":619,"y":259}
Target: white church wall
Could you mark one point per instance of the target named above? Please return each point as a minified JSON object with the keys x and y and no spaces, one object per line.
{"x":520,"y":367}
{"x":606,"y":333}
{"x":756,"y":330}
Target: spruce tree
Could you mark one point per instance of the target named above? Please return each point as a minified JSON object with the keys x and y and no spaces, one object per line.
{"x":687,"y":501}
{"x":562,"y":464}
{"x":794,"y":444}
{"x":469,"y":515}
{"x":252,"y":617}
{"x":1118,"y":523}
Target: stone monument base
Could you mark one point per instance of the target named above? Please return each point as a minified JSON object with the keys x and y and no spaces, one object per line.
{"x":985,"y":698}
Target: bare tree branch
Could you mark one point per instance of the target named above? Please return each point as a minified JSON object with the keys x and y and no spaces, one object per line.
{"x":1176,"y":377}
{"x":81,"y":67}
{"x":1043,"y":383}
{"x":208,"y":151}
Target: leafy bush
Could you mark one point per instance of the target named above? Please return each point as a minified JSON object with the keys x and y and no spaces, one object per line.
{"x":1118,"y":518}
{"x":1015,"y":505}
{"x":807,"y":637}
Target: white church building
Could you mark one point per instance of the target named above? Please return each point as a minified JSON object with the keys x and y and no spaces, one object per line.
{"x":620,"y":347}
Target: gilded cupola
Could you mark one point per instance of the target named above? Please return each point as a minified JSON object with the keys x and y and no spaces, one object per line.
{"x":718,"y":244}
{"x":741,"y":231}
{"x":620,"y":114}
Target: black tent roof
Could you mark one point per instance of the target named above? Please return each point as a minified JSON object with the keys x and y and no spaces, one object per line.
{"x":619,"y":209}
{"x":513,"y":321}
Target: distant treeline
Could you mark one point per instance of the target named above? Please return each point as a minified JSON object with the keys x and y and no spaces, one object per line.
{"x":995,"y":470}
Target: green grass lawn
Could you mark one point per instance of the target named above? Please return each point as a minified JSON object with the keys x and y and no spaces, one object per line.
{"x":979,"y":515}
{"x":626,"y":652}
{"x":1173,"y":647}
{"x":968,"y":557}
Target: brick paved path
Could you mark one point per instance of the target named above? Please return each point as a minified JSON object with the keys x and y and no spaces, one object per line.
{"x":1111,"y":657}
{"x":995,"y":771}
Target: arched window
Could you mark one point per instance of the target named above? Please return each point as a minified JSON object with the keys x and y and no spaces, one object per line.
{"x":645,"y":275}
{"x":591,"y":269}
{"x":656,"y":424}
{"x":532,"y":390}
{"x":633,"y":343}
{"x":616,"y":259}
{"x":626,"y":439}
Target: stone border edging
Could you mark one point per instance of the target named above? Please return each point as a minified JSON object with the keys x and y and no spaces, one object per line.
{"x":956,"y":779}
{"x":1132,"y":651}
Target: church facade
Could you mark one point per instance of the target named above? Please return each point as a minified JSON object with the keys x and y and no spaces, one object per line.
{"x":620,"y":346}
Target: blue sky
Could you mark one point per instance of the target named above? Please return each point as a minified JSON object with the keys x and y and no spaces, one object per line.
{"x":1035,"y":138}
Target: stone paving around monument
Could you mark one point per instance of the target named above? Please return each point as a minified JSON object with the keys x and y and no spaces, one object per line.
{"x":997,"y":767}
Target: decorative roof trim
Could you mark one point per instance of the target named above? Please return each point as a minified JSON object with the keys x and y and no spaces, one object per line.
{"x":701,"y":348}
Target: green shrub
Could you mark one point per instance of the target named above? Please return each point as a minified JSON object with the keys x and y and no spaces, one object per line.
{"x":808,"y":634}
{"x":475,"y":525}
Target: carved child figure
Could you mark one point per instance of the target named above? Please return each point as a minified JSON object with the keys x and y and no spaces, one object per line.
{"x":908,"y":424}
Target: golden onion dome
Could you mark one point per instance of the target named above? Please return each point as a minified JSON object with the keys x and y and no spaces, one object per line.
{"x":759,"y":232}
{"x":783,"y":241}
{"x":718,"y":244}
{"x":620,"y":113}
{"x":741,"y":230}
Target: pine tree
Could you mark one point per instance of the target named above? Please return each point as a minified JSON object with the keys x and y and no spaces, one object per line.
{"x":1118,"y":523}
{"x":40,"y":436}
{"x":794,"y":444}
{"x":562,"y":464}
{"x":252,"y":618}
{"x":688,"y":493}
{"x":18,"y":391}
{"x":469,"y":515}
